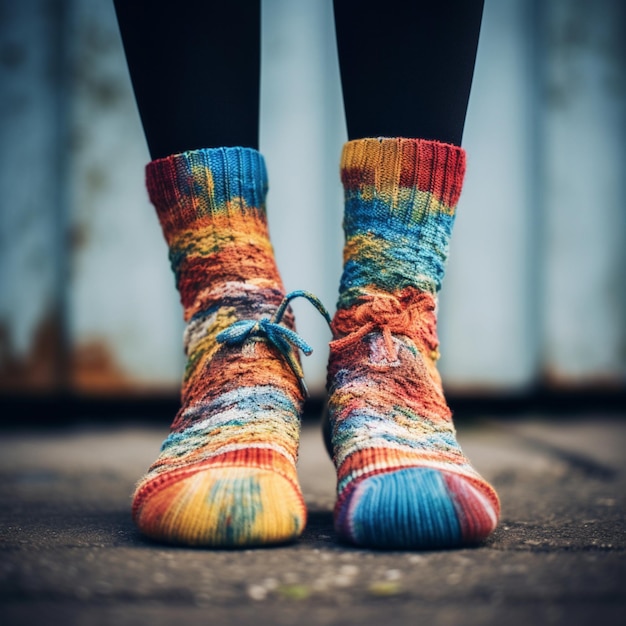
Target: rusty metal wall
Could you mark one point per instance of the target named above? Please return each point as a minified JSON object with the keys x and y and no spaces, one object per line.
{"x":536,"y":282}
{"x":124,"y":318}
{"x":31,"y":187}
{"x":583,"y":186}
{"x":488,"y":326}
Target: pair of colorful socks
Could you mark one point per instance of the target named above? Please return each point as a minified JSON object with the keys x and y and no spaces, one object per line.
{"x":226,"y":474}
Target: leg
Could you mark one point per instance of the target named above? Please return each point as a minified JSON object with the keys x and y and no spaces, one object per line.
{"x":196,"y":84}
{"x":226,"y":473}
{"x":406,"y":67}
{"x":403,"y":481}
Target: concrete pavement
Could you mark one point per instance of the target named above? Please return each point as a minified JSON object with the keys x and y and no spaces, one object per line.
{"x":70,"y":554}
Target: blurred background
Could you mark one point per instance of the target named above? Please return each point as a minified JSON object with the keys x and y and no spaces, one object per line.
{"x":534,"y":303}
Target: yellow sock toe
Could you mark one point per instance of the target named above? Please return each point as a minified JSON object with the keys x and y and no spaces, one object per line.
{"x":224,"y":507}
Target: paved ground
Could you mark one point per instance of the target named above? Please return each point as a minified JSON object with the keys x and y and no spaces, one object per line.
{"x":69,"y":553}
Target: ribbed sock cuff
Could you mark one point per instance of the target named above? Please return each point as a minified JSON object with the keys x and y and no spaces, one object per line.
{"x":200,"y":183}
{"x":386,"y":166}
{"x":400,"y":205}
{"x":211,"y":205}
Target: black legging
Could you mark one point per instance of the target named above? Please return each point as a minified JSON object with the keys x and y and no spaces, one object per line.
{"x":406,"y":68}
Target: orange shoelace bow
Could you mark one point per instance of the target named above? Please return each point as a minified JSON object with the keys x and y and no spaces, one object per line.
{"x":412,"y":315}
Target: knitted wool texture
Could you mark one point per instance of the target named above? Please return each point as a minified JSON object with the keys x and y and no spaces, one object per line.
{"x":226,"y":474}
{"x":403,"y":481}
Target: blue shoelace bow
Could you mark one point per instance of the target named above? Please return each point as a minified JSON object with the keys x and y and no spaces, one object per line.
{"x":270,"y":331}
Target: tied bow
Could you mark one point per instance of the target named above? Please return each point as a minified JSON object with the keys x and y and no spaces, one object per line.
{"x":415,"y":318}
{"x":285,"y":340}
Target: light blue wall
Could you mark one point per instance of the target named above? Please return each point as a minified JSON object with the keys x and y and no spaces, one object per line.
{"x":488,"y":327}
{"x":536,"y":284}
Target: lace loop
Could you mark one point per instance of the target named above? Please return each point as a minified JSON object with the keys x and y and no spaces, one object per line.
{"x":270,"y":330}
{"x":413,"y":316}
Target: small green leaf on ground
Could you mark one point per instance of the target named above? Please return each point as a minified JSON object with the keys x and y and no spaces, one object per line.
{"x":384,"y":588}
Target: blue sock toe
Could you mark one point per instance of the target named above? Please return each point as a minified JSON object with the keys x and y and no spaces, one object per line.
{"x":409,"y":508}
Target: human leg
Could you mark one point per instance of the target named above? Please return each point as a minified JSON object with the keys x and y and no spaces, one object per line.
{"x":403,"y":481}
{"x":195,"y":69}
{"x":226,"y":473}
{"x":407,"y":67}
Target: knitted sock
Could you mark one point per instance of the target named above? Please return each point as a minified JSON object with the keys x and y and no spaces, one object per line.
{"x":226,"y":474}
{"x":403,"y":481}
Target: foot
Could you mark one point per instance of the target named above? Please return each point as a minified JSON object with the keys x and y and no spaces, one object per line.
{"x":403,"y":481}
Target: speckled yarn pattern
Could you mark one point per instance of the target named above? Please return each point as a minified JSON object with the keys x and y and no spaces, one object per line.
{"x":226,"y":473}
{"x":403,"y":481}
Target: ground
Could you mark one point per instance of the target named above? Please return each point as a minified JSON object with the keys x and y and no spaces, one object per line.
{"x":69,"y":553}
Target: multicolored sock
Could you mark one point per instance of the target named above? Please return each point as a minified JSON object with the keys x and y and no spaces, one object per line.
{"x":403,"y":481}
{"x":226,"y":474}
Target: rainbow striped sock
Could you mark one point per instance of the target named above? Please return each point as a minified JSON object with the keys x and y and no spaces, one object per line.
{"x":403,"y":481}
{"x":226,"y":474}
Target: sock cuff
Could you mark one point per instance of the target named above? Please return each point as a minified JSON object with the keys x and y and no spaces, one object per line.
{"x":386,"y":165}
{"x":206,"y":182}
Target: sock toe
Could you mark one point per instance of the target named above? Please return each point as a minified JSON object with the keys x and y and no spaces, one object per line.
{"x":223,"y":507}
{"x":420,"y":508}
